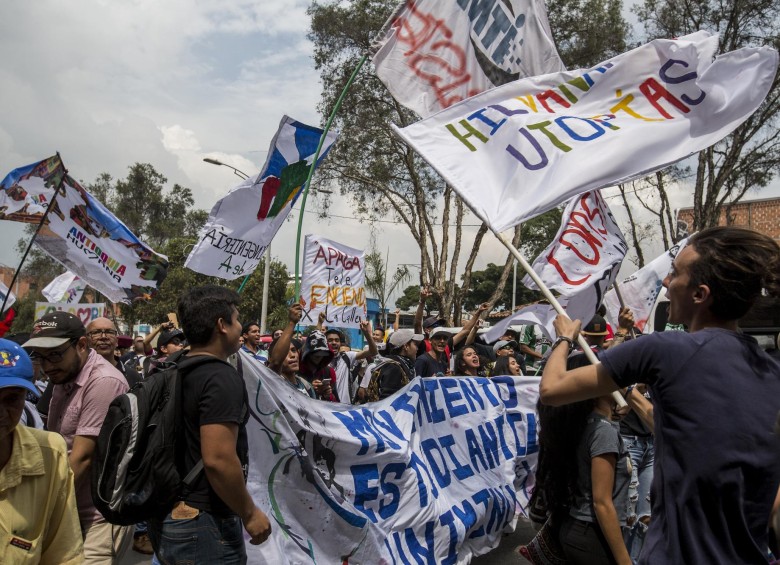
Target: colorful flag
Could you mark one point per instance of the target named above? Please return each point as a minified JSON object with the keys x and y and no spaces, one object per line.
{"x":81,"y":233}
{"x":243,"y":223}
{"x":640,"y":291}
{"x":67,"y":287}
{"x":588,"y":242}
{"x":520,"y":149}
{"x":434,"y":53}
{"x":437,"y":473}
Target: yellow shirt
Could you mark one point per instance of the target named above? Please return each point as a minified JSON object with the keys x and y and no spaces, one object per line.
{"x":38,"y":518}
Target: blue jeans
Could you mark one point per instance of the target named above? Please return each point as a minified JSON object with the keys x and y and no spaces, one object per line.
{"x":642,"y":452}
{"x":207,"y":538}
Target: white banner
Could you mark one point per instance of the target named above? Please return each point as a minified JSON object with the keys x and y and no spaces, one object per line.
{"x":67,"y":287}
{"x":84,"y":312}
{"x":11,"y":296}
{"x":434,"y":53}
{"x":518,"y":150}
{"x":333,"y":279}
{"x":434,"y":474}
{"x":640,"y":291}
{"x":81,"y":233}
{"x":588,"y":242}
{"x":243,"y":223}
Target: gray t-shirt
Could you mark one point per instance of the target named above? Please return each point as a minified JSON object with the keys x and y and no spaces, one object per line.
{"x":600,"y":437}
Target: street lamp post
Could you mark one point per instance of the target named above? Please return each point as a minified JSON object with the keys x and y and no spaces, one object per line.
{"x":267,"y":259}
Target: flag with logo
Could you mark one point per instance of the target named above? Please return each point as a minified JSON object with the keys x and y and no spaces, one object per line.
{"x":434,"y":53}
{"x":67,"y":288}
{"x":243,"y":223}
{"x":518,"y":150}
{"x":80,"y":233}
{"x":640,"y":290}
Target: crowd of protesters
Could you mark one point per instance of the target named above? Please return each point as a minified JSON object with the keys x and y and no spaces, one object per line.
{"x":701,"y":425}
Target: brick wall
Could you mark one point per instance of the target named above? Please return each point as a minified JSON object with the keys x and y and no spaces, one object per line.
{"x":21,"y":286}
{"x":760,"y":215}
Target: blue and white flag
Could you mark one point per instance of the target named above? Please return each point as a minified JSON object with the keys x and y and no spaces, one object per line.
{"x":80,"y":233}
{"x":243,"y":223}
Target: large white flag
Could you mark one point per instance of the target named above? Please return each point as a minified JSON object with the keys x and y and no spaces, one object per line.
{"x":434,"y":53}
{"x":333,"y":282}
{"x":588,"y":243}
{"x":67,"y":287}
{"x":243,"y":223}
{"x":520,"y":149}
{"x":640,"y":291}
{"x":80,"y":233}
{"x":435,"y":473}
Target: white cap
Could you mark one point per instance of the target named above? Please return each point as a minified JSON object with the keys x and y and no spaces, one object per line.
{"x":404,"y":336}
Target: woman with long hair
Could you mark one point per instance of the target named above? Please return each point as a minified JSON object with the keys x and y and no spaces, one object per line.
{"x":584,"y":473}
{"x":506,"y":365}
{"x":468,"y":363}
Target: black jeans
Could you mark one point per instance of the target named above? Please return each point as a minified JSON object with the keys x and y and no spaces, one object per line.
{"x":583,"y":543}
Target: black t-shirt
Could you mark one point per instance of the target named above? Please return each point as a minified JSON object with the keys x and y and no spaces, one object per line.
{"x":393,"y":373}
{"x":427,"y":366}
{"x":213,"y":393}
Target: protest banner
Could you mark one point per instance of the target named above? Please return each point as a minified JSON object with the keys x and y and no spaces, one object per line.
{"x":67,"y":287}
{"x":84,"y":312}
{"x":640,"y":290}
{"x":588,"y":242}
{"x":333,"y":279}
{"x":80,"y":233}
{"x":520,"y":149}
{"x":433,"y":474}
{"x":242,"y":224}
{"x":434,"y":53}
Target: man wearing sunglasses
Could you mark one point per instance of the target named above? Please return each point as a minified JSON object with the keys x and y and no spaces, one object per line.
{"x":84,"y":385}
{"x":102,"y":337}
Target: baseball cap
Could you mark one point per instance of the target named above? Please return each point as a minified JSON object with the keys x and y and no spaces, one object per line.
{"x":167,"y":335}
{"x":432,"y":322}
{"x":55,"y":329}
{"x":404,"y":336}
{"x":16,"y":369}
{"x":503,"y":343}
{"x":597,"y":326}
{"x":438,"y":331}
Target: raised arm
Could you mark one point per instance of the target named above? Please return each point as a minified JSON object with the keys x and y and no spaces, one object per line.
{"x":282,"y":346}
{"x":471,"y":326}
{"x":418,"y":316}
{"x":397,"y":323}
{"x":365,"y":327}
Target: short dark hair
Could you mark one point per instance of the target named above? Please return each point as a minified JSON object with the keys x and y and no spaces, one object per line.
{"x":736,"y":264}
{"x":201,"y":307}
{"x":248,"y":326}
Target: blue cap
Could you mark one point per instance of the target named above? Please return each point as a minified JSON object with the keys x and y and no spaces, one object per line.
{"x":16,"y":369}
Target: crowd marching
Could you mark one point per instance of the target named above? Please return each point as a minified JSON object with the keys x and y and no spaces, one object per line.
{"x":688,"y":472}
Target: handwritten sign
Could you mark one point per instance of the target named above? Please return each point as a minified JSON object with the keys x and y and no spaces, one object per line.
{"x":333,"y":279}
{"x":433,"y":474}
{"x":84,"y":312}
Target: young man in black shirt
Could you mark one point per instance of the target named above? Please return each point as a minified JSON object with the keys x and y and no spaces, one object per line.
{"x":205,"y":525}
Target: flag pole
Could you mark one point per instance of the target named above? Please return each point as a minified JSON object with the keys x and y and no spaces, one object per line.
{"x":311,"y":174}
{"x":37,"y":230}
{"x":616,"y":396}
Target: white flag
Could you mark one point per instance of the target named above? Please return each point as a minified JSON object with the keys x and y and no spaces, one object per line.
{"x":11,"y":296}
{"x":434,"y":53}
{"x":67,"y":287}
{"x":243,"y":223}
{"x":588,"y":242}
{"x":518,"y":150}
{"x":640,"y":291}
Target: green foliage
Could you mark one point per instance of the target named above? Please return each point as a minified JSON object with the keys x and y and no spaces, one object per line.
{"x":409,"y":299}
{"x":376,"y":281}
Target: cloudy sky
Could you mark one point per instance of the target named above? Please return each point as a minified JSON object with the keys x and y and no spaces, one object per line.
{"x":169,"y":82}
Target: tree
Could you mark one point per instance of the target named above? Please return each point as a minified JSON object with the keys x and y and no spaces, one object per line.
{"x":748,"y":158}
{"x":410,"y":298}
{"x":376,"y":281}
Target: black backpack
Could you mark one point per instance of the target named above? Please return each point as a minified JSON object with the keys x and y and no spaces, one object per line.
{"x":135,"y":468}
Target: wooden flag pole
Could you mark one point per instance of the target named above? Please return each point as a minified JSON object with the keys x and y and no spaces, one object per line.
{"x":37,"y":230}
{"x":616,"y":396}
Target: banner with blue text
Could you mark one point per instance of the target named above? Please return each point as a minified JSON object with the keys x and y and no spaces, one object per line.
{"x":434,"y":474}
